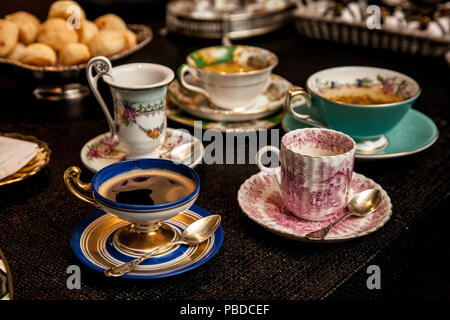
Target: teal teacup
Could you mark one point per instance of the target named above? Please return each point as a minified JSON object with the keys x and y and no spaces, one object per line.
{"x":363,"y":102}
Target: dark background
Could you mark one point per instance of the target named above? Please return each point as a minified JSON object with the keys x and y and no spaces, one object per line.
{"x":38,"y":215}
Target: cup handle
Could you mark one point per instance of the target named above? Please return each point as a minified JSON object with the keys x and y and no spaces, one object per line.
{"x":298,"y":91}
{"x":271,"y":171}
{"x":73,"y":183}
{"x":102,"y":66}
{"x":182,"y":70}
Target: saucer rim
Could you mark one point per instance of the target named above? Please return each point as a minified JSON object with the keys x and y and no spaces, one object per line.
{"x":34,"y":165}
{"x":81,"y":226}
{"x":326,"y":240}
{"x":362,"y":156}
{"x":187,"y":120}
{"x":278,"y":105}
{"x":91,"y":169}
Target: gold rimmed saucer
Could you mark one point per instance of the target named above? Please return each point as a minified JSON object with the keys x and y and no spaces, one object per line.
{"x":93,"y":244}
{"x":34,"y":165}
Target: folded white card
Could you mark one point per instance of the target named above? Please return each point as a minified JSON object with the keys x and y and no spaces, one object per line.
{"x":15,"y":154}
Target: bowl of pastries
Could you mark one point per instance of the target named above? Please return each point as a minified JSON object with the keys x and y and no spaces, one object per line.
{"x":54,"y":53}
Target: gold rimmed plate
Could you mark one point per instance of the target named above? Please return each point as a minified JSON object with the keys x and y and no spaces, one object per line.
{"x":39,"y":161}
{"x":92,"y":243}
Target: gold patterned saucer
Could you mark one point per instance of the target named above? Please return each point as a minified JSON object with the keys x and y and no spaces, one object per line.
{"x":93,"y":244}
{"x":34,"y":165}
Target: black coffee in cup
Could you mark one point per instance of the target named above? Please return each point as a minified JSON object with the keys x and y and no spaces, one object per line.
{"x":147,"y":187}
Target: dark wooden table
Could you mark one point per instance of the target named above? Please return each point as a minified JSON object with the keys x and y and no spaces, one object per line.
{"x":38,"y":215}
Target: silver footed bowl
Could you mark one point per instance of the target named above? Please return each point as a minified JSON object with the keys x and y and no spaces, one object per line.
{"x":63,"y":82}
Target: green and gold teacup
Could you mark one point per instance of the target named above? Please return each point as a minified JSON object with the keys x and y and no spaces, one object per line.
{"x":230,"y":76}
{"x":363,"y":102}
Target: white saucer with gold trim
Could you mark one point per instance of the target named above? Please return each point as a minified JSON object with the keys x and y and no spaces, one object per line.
{"x":196,"y":104}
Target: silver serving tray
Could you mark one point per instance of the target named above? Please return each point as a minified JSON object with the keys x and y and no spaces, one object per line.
{"x":61,"y":81}
{"x":408,"y":41}
{"x":239,"y":25}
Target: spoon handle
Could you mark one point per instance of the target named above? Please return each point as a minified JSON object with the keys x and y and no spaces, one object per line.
{"x":124,"y":268}
{"x":322,"y":233}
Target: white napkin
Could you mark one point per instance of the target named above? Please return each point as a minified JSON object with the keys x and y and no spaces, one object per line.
{"x":15,"y":154}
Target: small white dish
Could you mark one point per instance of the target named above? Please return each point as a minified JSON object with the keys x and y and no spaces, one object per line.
{"x":178,"y":145}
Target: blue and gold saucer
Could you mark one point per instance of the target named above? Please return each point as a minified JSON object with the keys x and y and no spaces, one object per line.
{"x":92,"y":243}
{"x":414,"y":133}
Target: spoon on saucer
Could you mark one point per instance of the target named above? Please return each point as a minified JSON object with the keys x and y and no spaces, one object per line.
{"x":360,"y":205}
{"x":196,"y":233}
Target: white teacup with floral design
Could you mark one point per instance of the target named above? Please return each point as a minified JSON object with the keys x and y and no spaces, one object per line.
{"x":139,"y":97}
{"x":315,"y":173}
{"x":231,"y":77}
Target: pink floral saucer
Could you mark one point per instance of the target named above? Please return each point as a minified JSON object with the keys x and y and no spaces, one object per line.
{"x":178,"y":145}
{"x":260,"y":199}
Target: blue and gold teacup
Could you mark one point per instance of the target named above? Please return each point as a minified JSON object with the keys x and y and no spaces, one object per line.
{"x":146,"y":229}
{"x":363,"y":102}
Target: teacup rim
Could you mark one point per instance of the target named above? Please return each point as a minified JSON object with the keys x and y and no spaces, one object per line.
{"x":231,"y":74}
{"x":345,"y":154}
{"x":170,"y":76}
{"x":414,"y":97}
{"x":140,"y":208}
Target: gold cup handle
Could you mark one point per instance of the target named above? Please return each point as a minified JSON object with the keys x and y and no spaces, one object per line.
{"x":73,"y":183}
{"x":298,"y":91}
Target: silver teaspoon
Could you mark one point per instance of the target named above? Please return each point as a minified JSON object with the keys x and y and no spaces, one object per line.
{"x":196,"y":233}
{"x":360,"y":205}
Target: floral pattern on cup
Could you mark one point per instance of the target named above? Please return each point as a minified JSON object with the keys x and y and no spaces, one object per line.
{"x":392,"y":84}
{"x":153,"y":133}
{"x":316,"y":188}
{"x":212,"y":55}
{"x":239,"y":53}
{"x":128,"y":112}
{"x":315,"y":171}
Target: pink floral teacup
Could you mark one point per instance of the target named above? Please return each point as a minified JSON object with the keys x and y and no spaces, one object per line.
{"x":315,"y":173}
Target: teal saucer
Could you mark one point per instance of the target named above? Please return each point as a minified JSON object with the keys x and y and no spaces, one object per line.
{"x":414,"y":133}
